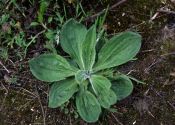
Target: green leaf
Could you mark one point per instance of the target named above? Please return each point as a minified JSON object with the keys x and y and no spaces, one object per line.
{"x":81,"y":75}
{"x":99,"y":82}
{"x":120,"y":49}
{"x":136,"y":80}
{"x":61,"y":92}
{"x":107,"y":98}
{"x":122,"y":86}
{"x":43,"y":7}
{"x":50,"y":34}
{"x":88,"y":107}
{"x":88,"y":49}
{"x":112,"y":97}
{"x":34,"y":24}
{"x":51,"y":67}
{"x":71,"y":38}
{"x":101,"y":87}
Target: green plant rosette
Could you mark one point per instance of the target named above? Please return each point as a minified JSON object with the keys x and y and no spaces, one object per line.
{"x":82,"y":79}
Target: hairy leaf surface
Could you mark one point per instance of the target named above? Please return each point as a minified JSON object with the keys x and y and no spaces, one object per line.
{"x":81,"y":76}
{"x":112,"y":97}
{"x":100,"y":82}
{"x":88,"y":49}
{"x":122,"y":86}
{"x":101,"y":87}
{"x":107,"y":98}
{"x":120,"y":49}
{"x":88,"y":107}
{"x":50,"y":68}
{"x":61,"y":92}
{"x":71,"y":38}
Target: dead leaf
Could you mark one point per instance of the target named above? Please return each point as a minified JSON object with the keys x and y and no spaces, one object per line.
{"x":172,"y":74}
{"x":71,"y":1}
{"x":173,"y":1}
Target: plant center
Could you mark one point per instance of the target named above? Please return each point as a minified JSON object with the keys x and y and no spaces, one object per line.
{"x":82,"y":75}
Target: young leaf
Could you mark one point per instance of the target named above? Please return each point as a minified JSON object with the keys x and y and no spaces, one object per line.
{"x":81,"y":76}
{"x":112,"y":97}
{"x":99,"y":82}
{"x":107,"y":98}
{"x":34,"y":24}
{"x":43,"y":7}
{"x":88,"y":107}
{"x":120,"y":49}
{"x":61,"y":92}
{"x":101,"y":87}
{"x":71,"y":38}
{"x":51,"y":67}
{"x":122,"y":86}
{"x":136,"y":80}
{"x":88,"y":49}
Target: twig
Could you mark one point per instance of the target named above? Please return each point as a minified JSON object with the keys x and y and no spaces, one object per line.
{"x":171,"y":105}
{"x":150,"y":50}
{"x":2,"y":105}
{"x":163,"y":99}
{"x":42,"y":108}
{"x":4,"y":67}
{"x":161,"y":10}
{"x":162,"y":57}
{"x":168,"y":54}
{"x":12,"y":62}
{"x":4,"y":97}
{"x":166,"y":11}
{"x":154,"y":16}
{"x":149,"y":113}
{"x":117,"y":119}
{"x":154,"y":63}
{"x":32,"y":40}
{"x":28,"y":92}
{"x":103,"y":11}
{"x":6,"y":90}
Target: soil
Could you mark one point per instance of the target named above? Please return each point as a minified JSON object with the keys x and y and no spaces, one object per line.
{"x":24,"y":100}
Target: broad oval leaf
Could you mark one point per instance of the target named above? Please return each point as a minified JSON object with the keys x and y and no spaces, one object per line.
{"x":118,"y":50}
{"x":88,"y":107}
{"x":107,"y":98}
{"x":101,"y":87}
{"x":71,"y":38}
{"x":61,"y":92}
{"x":51,"y":67}
{"x":122,"y":86}
{"x":88,"y":49}
{"x":99,"y":83}
{"x":112,"y":97}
